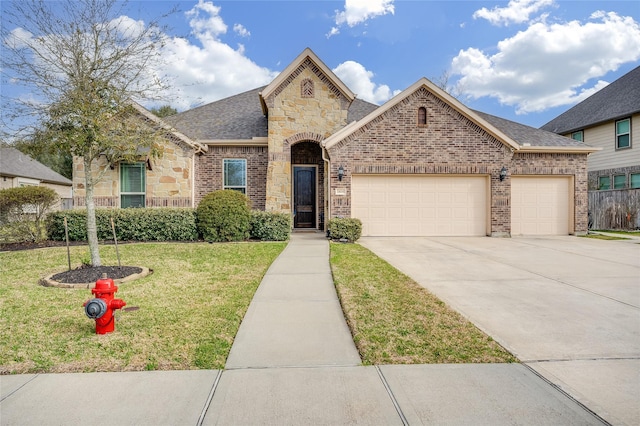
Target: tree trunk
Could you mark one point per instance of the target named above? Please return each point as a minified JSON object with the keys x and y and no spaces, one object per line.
{"x":92,"y":229}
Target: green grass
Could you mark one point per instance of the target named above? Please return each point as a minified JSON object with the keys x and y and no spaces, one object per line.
{"x":632,"y":233}
{"x":190,"y":308}
{"x":602,"y":237}
{"x":395,"y":321}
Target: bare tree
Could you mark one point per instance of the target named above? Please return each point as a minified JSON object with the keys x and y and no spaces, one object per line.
{"x":443,"y":81}
{"x":84,"y":62}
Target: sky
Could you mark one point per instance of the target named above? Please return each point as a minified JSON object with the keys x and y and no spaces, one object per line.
{"x":523,"y":60}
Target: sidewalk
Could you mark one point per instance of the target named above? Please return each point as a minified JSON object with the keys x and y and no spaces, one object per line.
{"x":293,"y":362}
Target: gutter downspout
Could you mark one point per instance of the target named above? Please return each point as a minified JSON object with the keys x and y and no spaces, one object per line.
{"x":327,"y":191}
{"x":193,"y":179}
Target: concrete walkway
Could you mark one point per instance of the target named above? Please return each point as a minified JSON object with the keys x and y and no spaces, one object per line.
{"x":295,"y":318}
{"x":293,"y":362}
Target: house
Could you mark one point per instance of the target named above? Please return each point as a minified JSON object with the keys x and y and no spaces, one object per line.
{"x":609,"y":119}
{"x":421,"y":164}
{"x":18,"y":169}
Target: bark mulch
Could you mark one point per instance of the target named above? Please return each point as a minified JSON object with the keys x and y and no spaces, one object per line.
{"x":89,"y":274}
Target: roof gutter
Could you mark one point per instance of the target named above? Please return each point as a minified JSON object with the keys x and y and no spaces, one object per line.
{"x":558,"y":149}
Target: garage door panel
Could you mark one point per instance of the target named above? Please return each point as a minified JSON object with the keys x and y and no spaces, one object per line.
{"x":540,"y":205}
{"x":420,"y":205}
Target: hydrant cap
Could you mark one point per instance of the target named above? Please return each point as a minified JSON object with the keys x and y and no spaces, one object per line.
{"x":95,"y":308}
{"x":104,"y":285}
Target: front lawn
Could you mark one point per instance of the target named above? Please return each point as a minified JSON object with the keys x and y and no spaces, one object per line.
{"x":395,"y":321}
{"x":190,"y":308}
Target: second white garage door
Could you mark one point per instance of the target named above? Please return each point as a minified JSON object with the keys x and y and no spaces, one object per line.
{"x":420,"y":205}
{"x":540,"y":205}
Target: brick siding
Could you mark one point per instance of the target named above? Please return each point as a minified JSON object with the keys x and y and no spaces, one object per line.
{"x":394,"y":143}
{"x":209,"y":171}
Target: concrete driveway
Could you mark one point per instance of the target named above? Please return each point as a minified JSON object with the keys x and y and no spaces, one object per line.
{"x":567,"y":307}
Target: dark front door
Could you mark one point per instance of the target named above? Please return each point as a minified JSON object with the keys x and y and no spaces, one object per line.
{"x":304,"y":197}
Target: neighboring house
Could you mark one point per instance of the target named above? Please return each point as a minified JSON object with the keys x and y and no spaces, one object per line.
{"x":609,"y":119}
{"x":421,"y":164}
{"x":18,"y":169}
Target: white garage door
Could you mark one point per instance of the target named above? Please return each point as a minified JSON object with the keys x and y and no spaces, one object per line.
{"x":540,"y":205}
{"x":420,"y":205}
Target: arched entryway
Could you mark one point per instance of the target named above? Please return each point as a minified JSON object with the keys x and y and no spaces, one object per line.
{"x":308,"y":185}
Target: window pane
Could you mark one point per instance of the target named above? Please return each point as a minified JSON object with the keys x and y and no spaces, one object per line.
{"x":235,"y":173}
{"x":622,"y":127}
{"x":577,"y":136}
{"x":635,"y":180}
{"x":132,"y":178}
{"x":623,"y":141}
{"x":604,"y":182}
{"x":619,"y":181}
{"x":131,"y":201}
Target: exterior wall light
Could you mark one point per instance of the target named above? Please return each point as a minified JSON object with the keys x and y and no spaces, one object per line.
{"x":340,"y":173}
{"x":503,"y":173}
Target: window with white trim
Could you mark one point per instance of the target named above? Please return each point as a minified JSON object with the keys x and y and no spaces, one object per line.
{"x":578,"y":136}
{"x":234,"y":175}
{"x":623,"y":133}
{"x":132,"y":185}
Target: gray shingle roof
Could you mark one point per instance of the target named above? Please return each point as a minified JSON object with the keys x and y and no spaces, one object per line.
{"x":617,"y":100}
{"x":16,"y":164}
{"x":526,"y":135}
{"x":238,"y":117}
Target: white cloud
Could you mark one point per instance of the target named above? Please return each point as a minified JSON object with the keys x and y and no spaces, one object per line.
{"x":18,"y":38}
{"x":546,"y":65}
{"x":359,"y":80}
{"x":205,"y":21}
{"x":211,"y":70}
{"x":517,"y":11}
{"x":359,"y":11}
{"x":241,"y":30}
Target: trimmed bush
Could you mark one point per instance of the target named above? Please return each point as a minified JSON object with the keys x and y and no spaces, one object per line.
{"x":349,"y":229}
{"x":162,"y":224}
{"x":224,"y":215}
{"x":22,"y":212}
{"x":270,"y":226}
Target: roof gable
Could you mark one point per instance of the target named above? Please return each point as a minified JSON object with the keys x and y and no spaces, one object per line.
{"x":514,"y":136}
{"x":15,"y":163}
{"x":619,"y":99}
{"x":175,"y":135}
{"x":440,"y":94}
{"x":306,"y":59}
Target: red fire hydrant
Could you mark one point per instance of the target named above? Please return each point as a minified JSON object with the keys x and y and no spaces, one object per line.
{"x":101,"y":308}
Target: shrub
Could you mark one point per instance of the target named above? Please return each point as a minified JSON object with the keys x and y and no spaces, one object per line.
{"x":224,"y":215}
{"x":349,"y":229}
{"x":162,"y":224}
{"x":22,"y":212}
{"x":270,"y":226}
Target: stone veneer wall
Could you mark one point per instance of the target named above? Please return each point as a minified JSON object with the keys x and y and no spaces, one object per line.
{"x":209,"y":171}
{"x":292,"y":118}
{"x":168,"y":183}
{"x":394,"y":143}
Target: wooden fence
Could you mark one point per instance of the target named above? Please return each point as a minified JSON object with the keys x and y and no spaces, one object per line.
{"x":614,"y":209}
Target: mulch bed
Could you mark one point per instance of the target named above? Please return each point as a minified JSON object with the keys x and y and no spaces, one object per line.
{"x":42,"y":244}
{"x":89,"y":274}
